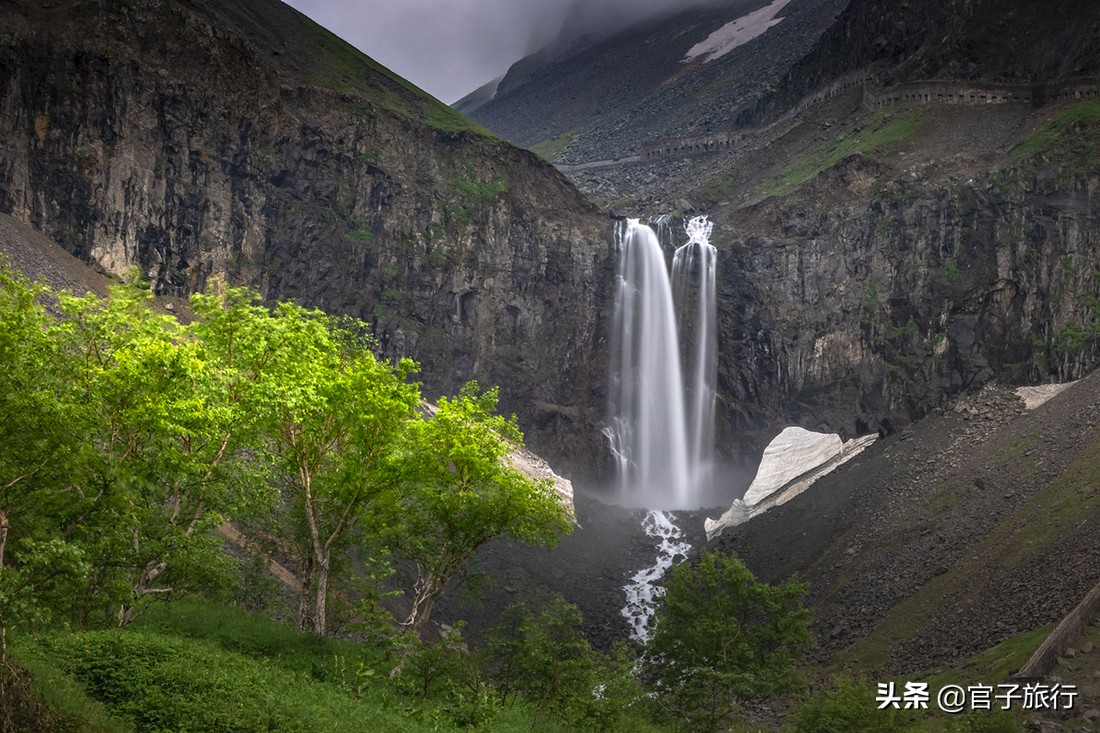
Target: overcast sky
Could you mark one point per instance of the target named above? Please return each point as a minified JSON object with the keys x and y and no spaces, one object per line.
{"x":451,"y":47}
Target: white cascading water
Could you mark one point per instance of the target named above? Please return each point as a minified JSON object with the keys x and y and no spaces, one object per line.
{"x":642,"y":592}
{"x":662,"y":398}
{"x":648,"y":434}
{"x":693,"y":291}
{"x":663,"y":366}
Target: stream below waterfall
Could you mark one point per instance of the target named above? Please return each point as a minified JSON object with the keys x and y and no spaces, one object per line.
{"x":643,"y":591}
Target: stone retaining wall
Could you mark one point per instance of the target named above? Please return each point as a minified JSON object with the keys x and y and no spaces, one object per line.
{"x":906,"y":93}
{"x":968,"y":93}
{"x":1063,"y":636}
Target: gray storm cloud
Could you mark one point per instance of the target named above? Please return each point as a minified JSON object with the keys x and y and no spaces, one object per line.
{"x":451,"y":47}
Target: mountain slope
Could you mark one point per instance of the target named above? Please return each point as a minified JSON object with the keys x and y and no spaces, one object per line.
{"x":612,"y":96}
{"x":193,"y":139}
{"x":977,"y":524}
{"x":642,"y":84}
{"x":1015,"y":42}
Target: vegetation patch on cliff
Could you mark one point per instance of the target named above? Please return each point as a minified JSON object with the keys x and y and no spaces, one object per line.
{"x":881,"y":132}
{"x":1072,"y":133}
{"x":551,"y":148}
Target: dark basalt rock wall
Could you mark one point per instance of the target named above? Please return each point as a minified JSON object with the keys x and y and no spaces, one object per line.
{"x":179,"y":140}
{"x":866,"y":314}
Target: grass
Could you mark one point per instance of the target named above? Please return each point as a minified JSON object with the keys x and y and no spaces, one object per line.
{"x":945,"y":498}
{"x":882,"y":131}
{"x":161,"y":682}
{"x":1051,"y":512}
{"x":996,"y":663}
{"x":550,"y":149}
{"x":445,"y":119}
{"x":476,"y":192}
{"x":720,"y":188}
{"x":1072,"y":132}
{"x":194,"y":666}
{"x":65,"y":697}
{"x":361,"y":236}
{"x":343,"y":68}
{"x":237,"y":631}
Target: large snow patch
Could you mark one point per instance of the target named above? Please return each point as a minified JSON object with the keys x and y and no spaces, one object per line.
{"x":791,"y":463}
{"x":737,"y":33}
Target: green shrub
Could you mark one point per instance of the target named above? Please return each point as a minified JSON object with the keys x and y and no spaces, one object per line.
{"x":542,"y":657}
{"x":159,"y":683}
{"x":981,"y":721}
{"x":849,"y":706}
{"x":722,"y":638}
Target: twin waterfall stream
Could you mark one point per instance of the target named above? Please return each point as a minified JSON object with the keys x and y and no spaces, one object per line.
{"x":663,"y":377}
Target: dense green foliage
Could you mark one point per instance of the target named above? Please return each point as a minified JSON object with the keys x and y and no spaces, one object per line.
{"x":131,"y":442}
{"x":722,"y":638}
{"x":543,"y":657}
{"x":119,"y":455}
{"x":847,"y":707}
{"x":470,"y":494}
{"x":129,"y":438}
{"x":197,"y":666}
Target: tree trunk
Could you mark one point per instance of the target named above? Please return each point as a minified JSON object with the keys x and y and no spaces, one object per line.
{"x":4,"y":526}
{"x":305,"y":596}
{"x":141,"y":589}
{"x":425,"y":591}
{"x":320,"y":602}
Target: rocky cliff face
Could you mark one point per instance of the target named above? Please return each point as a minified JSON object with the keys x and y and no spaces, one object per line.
{"x":197,"y":139}
{"x":1007,"y":41}
{"x":866,"y":313}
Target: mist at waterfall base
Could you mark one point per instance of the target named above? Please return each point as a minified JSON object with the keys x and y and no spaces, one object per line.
{"x":664,"y":369}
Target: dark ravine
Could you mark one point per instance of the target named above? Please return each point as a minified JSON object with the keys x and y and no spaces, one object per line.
{"x":199,"y":139}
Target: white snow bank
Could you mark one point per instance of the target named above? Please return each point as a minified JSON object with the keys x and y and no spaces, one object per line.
{"x":737,"y":33}
{"x":790,"y":454}
{"x":791,"y":463}
{"x":1035,"y":396}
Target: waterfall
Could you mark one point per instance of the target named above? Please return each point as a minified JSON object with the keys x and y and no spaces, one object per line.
{"x":648,"y":433}
{"x":662,"y":397}
{"x":693,"y":292}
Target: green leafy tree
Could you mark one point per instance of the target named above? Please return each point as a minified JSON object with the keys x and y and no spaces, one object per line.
{"x":116,"y":454}
{"x":721,"y":637}
{"x":35,"y":441}
{"x":847,"y":706}
{"x":159,"y":465}
{"x":463,"y":492}
{"x":544,"y":658}
{"x":333,"y":416}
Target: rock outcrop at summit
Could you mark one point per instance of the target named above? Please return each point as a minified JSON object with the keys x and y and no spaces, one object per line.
{"x":198,"y":139}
